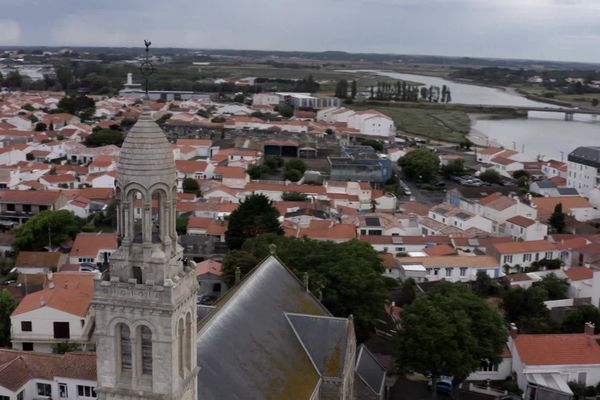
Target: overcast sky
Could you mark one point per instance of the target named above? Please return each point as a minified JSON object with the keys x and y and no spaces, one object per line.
{"x":566,"y":30}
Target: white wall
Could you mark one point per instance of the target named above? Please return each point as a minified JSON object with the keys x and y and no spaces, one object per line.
{"x":42,"y":328}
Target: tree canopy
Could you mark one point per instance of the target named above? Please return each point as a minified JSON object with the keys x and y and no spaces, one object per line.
{"x":105,"y":137}
{"x":491,"y":176}
{"x":576,"y":319}
{"x":449,"y":331}
{"x":555,"y":287}
{"x":190,"y":185}
{"x":76,"y":104}
{"x":557,"y":219}
{"x":347,"y":274}
{"x":255,"y":216}
{"x":7,"y":306}
{"x":527,"y":310}
{"x":420,"y":165}
{"x":294,"y":196}
{"x":54,"y":227}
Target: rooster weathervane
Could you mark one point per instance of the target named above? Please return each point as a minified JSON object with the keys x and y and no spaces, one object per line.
{"x":147,"y":68}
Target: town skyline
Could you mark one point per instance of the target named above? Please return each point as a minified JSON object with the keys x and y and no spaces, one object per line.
{"x":555,"y":30}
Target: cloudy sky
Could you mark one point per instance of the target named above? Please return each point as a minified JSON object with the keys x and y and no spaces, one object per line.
{"x":536,"y":29}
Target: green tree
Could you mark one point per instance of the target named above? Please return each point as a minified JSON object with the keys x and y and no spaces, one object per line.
{"x":375,"y":144}
{"x":341,"y":89}
{"x":483,"y":283}
{"x":255,"y":216}
{"x":557,"y":219}
{"x":526,"y":308}
{"x":103,"y":137}
{"x":555,"y":287}
{"x":190,"y":185}
{"x":273,"y":162}
{"x":294,"y":196}
{"x":65,"y":347}
{"x":449,"y":331}
{"x":454,"y":168}
{"x":7,"y":306}
{"x":491,"y":176}
{"x":255,"y":171}
{"x":48,"y":227}
{"x":285,"y":110}
{"x":13,"y":80}
{"x":408,"y":292}
{"x":297,"y":164}
{"x":348,"y":274}
{"x":64,"y":77}
{"x":465,"y":143}
{"x":40,"y":127}
{"x":75,"y":104}
{"x":576,"y":319}
{"x":181,"y":225}
{"x":292,"y":175}
{"x":420,"y":165}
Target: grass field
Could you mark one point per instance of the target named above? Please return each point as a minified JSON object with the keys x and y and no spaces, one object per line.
{"x":577,"y":100}
{"x":444,"y":125}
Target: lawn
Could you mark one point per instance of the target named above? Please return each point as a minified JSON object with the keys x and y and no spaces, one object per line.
{"x":443,"y":125}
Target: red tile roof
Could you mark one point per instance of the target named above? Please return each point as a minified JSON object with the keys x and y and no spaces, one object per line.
{"x":71,"y":292}
{"x":89,"y":244}
{"x":209,"y":266}
{"x":38,"y":259}
{"x":521,"y":221}
{"x":558,"y":349}
{"x":525,"y":247}
{"x":579,"y":273}
{"x":29,"y":197}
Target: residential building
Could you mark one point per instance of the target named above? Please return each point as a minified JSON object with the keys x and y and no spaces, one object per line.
{"x":583,"y":165}
{"x":32,"y":376}
{"x":454,"y":268}
{"x":17,"y":206}
{"x":58,"y":313}
{"x":94,"y":248}
{"x":522,"y":254}
{"x":525,"y":229}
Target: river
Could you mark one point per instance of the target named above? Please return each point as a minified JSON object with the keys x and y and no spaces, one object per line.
{"x":543,"y":133}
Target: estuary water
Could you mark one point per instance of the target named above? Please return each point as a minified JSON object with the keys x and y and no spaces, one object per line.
{"x":543,"y":133}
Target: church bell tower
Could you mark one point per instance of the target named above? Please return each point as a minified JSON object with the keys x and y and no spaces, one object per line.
{"x":145,"y":306}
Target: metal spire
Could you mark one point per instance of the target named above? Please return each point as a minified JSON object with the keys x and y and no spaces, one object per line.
{"x":147,"y":68}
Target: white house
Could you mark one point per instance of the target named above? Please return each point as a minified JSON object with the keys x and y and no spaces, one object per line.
{"x":580,"y":282}
{"x":524,"y":253}
{"x":525,"y":229}
{"x":583,"y":169}
{"x":70,"y":376}
{"x":545,"y":363}
{"x":455,"y":268}
{"x":59,"y":313}
{"x":92,"y":248}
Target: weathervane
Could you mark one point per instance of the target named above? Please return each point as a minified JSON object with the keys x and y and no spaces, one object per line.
{"x":147,"y":68}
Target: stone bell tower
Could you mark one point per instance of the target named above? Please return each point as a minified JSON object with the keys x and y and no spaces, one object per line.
{"x":145,"y":306}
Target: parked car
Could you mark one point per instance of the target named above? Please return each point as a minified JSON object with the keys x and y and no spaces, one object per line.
{"x":443,"y":385}
{"x":88,"y":267}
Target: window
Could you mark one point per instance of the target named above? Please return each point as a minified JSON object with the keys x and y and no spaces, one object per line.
{"x":449,"y":271}
{"x":10,"y":207}
{"x":63,"y":391}
{"x":507,"y":259}
{"x":61,"y":330}
{"x":400,"y":249}
{"x":137,"y":274}
{"x":21,"y":395}
{"x":86,"y":391}
{"x":527,"y":257}
{"x":146,"y":350}
{"x":125,"y":339}
{"x":428,"y":271}
{"x":548,"y":255}
{"x":44,"y":389}
{"x":537,"y":256}
{"x":436,"y":271}
{"x":487,"y":366}
{"x":4,"y":398}
{"x":27,"y":346}
{"x":26,"y":326}
{"x":463,"y":271}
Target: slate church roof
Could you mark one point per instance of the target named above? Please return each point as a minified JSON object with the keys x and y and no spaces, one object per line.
{"x":269,"y":338}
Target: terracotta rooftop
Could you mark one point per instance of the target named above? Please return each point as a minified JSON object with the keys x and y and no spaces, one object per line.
{"x":579,"y":273}
{"x":17,"y":368}
{"x":452,"y":261}
{"x":37,"y":259}
{"x":71,"y":292}
{"x":558,"y":349}
{"x":209,"y":266}
{"x":521,"y":221}
{"x":89,"y":244}
{"x":525,"y":247}
{"x":29,"y":197}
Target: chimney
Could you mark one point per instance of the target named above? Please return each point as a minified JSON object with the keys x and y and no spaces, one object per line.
{"x":42,"y":301}
{"x":51,"y":285}
{"x":513,"y":331}
{"x":588,"y":329}
{"x":238,"y":275}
